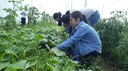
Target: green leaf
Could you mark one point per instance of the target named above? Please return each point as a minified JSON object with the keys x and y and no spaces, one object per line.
{"x":53,"y":61}
{"x":2,"y":56}
{"x":38,"y":36}
{"x":50,"y":67}
{"x":29,"y":64}
{"x":58,"y":52}
{"x":11,"y":52}
{"x":18,"y":65}
{"x":3,"y":65}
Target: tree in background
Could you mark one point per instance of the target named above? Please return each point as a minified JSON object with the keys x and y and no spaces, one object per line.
{"x":10,"y":19}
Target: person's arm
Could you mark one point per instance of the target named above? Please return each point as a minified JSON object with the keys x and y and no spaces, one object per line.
{"x":79,"y":34}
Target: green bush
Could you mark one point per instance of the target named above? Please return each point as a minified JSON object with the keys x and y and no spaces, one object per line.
{"x":114,"y":33}
{"x":109,"y":31}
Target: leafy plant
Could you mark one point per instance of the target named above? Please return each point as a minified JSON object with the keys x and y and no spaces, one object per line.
{"x":10,"y":19}
{"x":112,"y":32}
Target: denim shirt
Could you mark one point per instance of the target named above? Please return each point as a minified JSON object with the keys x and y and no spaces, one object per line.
{"x":85,"y":38}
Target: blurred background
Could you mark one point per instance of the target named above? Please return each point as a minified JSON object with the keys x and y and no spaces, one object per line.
{"x":52,"y":6}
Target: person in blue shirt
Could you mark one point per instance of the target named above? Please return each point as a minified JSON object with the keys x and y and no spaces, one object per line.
{"x":83,"y":41}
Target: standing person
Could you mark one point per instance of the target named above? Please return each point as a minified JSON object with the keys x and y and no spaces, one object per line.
{"x":83,"y":42}
{"x":57,"y":17}
{"x":23,"y":17}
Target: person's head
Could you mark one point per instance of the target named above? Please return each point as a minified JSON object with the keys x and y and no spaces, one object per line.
{"x":67,"y":13}
{"x":76,"y":17}
{"x":57,"y":16}
{"x":66,"y":20}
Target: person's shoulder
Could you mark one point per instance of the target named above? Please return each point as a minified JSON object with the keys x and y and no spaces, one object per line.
{"x":84,"y":25}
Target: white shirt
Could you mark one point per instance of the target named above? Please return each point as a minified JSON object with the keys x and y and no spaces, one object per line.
{"x":23,"y":14}
{"x":87,"y":12}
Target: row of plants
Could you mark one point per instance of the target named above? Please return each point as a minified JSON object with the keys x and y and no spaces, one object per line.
{"x":26,"y":48}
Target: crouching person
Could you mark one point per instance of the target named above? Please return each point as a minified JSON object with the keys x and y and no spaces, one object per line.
{"x":83,"y":41}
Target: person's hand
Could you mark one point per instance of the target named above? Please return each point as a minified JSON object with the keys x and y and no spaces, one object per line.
{"x":52,"y":51}
{"x":57,"y":52}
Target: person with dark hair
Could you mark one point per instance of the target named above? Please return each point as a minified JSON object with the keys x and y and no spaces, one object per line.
{"x":23,"y":17}
{"x":57,"y":17}
{"x":92,"y":15}
{"x":66,"y":22}
{"x":83,"y":41}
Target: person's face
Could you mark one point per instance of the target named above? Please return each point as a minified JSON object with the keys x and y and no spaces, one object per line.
{"x":57,"y":19}
{"x":74,"y":22}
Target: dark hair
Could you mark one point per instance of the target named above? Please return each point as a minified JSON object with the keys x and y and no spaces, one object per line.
{"x":60,"y":22}
{"x":78,"y":14}
{"x":85,"y":20}
{"x":57,"y":15}
{"x":67,"y":13}
{"x":66,"y":19}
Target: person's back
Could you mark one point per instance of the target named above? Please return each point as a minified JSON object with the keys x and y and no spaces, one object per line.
{"x":90,"y":41}
{"x":87,"y":12}
{"x":23,"y":14}
{"x":92,"y":15}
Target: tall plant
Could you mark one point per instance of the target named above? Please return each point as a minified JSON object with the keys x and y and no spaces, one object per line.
{"x":10,"y":19}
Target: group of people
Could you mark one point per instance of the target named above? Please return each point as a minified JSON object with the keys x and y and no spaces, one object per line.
{"x":83,"y":40}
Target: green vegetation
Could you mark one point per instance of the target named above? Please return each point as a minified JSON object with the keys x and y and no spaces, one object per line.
{"x":26,"y":48}
{"x":114,"y":33}
{"x":20,"y":49}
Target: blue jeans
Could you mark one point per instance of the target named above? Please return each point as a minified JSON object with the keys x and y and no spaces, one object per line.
{"x":74,"y":54}
{"x":93,"y":19}
{"x":77,"y":57}
{"x":23,"y":21}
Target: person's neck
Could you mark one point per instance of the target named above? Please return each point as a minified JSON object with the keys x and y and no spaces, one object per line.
{"x":76,"y":25}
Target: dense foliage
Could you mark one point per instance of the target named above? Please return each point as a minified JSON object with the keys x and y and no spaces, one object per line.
{"x":26,"y":48}
{"x":114,"y":33}
{"x":20,"y":49}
